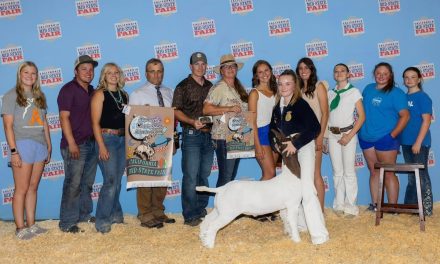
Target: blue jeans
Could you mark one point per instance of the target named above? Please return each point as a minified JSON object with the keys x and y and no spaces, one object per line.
{"x":227,"y":168}
{"x":425,"y":180}
{"x":197,"y":158}
{"x":109,"y":209}
{"x":76,"y":202}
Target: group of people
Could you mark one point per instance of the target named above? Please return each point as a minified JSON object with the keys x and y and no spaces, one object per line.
{"x":327,"y":120}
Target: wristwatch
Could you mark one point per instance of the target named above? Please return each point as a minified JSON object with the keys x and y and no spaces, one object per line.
{"x":13,"y":150}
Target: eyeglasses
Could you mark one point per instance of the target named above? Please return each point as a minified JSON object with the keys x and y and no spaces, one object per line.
{"x":229,"y":66}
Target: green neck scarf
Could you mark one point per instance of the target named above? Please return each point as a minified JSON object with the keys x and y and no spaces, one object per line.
{"x":335,"y":101}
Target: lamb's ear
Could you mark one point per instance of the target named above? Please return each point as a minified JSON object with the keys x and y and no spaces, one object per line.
{"x":294,"y":137}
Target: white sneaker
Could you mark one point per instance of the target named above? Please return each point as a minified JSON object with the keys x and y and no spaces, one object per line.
{"x":37,"y":230}
{"x":24,"y":234}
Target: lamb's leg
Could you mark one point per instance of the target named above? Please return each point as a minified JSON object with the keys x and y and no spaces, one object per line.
{"x":292,"y":219}
{"x":207,"y":221}
{"x":283,"y":215}
{"x":219,"y":222}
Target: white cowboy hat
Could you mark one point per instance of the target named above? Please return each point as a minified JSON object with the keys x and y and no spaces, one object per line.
{"x":227,"y":59}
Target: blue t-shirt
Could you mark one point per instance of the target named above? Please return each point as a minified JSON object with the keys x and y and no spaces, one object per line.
{"x":418,"y":103}
{"x":381,"y":111}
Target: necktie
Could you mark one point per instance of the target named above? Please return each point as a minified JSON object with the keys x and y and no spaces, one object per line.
{"x":335,"y":101}
{"x":159,"y":96}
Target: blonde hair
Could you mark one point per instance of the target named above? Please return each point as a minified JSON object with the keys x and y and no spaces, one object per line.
{"x":296,"y":92}
{"x":105,"y":69}
{"x":37,"y":94}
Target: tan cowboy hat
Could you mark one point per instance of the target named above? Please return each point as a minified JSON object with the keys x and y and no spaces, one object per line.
{"x":227,"y":59}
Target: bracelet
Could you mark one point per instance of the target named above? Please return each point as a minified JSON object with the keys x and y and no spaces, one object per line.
{"x":15,"y":153}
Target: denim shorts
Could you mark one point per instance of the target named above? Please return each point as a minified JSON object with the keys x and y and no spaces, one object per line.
{"x":31,"y":151}
{"x":263,"y":135}
{"x":386,"y":143}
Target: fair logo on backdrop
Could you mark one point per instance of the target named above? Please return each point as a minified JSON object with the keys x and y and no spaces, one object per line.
{"x":95,"y":191}
{"x":53,"y":170}
{"x":359,"y":161}
{"x":433,"y":115}
{"x":92,"y":50}
{"x":87,"y":7}
{"x":431,"y":158}
{"x":241,"y":6}
{"x":356,"y":71}
{"x":389,"y":49}
{"x":316,"y":49}
{"x":424,"y":27}
{"x":5,"y":149}
{"x":278,"y":68}
{"x":279,"y":27}
{"x":166,"y":51}
{"x":12,"y":54}
{"x":389,"y":6}
{"x":49,"y":31}
{"x":51,"y":77}
{"x":131,"y":75}
{"x":210,"y":73}
{"x":242,"y":50}
{"x":353,"y":26}
{"x":8,"y":195}
{"x":53,"y":121}
{"x":316,"y":6}
{"x":204,"y":28}
{"x":127,"y":29}
{"x":10,"y":8}
{"x":427,"y":70}
{"x":164,"y":7}
{"x":326,"y":183}
{"x":174,"y":190}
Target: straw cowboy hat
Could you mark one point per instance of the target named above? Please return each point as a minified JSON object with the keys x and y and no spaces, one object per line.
{"x":227,"y":59}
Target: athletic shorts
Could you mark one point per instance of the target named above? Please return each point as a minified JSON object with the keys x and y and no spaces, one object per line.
{"x":31,"y":151}
{"x":263,"y":135}
{"x":386,"y":143}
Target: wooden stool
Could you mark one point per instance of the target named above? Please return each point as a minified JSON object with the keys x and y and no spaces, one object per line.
{"x":400,"y":208}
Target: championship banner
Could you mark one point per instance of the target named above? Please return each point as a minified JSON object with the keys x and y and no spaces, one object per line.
{"x":149,"y":145}
{"x":240,"y":135}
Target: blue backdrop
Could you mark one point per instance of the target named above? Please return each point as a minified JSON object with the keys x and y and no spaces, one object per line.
{"x":359,"y":33}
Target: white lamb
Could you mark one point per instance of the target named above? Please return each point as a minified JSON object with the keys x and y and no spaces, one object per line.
{"x":253,"y":198}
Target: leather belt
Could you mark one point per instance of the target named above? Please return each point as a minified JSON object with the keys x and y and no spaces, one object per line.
{"x":339,"y":130}
{"x":204,"y":129}
{"x":116,"y":132}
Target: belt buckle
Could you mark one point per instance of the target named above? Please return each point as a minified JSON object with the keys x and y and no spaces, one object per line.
{"x":335,"y":130}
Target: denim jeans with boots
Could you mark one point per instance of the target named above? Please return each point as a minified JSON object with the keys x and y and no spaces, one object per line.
{"x":197,"y":158}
